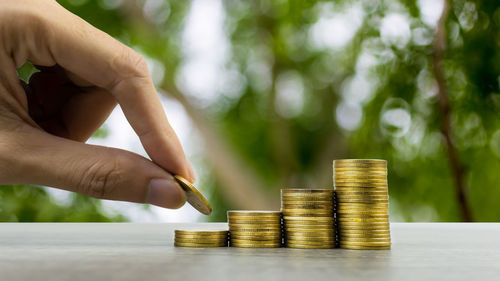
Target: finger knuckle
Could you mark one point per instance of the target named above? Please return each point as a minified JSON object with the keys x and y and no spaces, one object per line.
{"x":130,"y":64}
{"x":102,"y":177}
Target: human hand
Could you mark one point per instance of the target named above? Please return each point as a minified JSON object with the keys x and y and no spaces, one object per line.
{"x":84,"y":73}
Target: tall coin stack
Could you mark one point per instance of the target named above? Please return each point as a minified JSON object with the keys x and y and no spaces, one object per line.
{"x":308,"y":218}
{"x":254,"y":229}
{"x":362,"y":204}
{"x":201,"y":239}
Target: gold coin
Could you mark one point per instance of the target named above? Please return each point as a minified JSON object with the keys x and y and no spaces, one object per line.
{"x":309,"y":226}
{"x":325,"y":244}
{"x":329,"y":243}
{"x":251,"y":213}
{"x":201,"y":236}
{"x":307,"y":198}
{"x":348,"y":231}
{"x":307,"y":219}
{"x":256,"y":233}
{"x":365,"y":239}
{"x":305,"y":190}
{"x":363,"y":205}
{"x":362,"y":193}
{"x":367,"y":199}
{"x":364,"y":199}
{"x":354,"y":162}
{"x":308,"y":204}
{"x":309,"y":209}
{"x":255,"y":225}
{"x":349,"y":185}
{"x":363,"y":215}
{"x":257,"y":218}
{"x":257,"y":230}
{"x":351,"y":247}
{"x":358,"y":213}
{"x":362,"y":220}
{"x":362,"y":226}
{"x":361,"y":172}
{"x":319,"y":208}
{"x":301,"y":229}
{"x":200,"y":232}
{"x":256,"y":244}
{"x":348,"y":208}
{"x":311,"y":237}
{"x":308,"y":193}
{"x":201,"y":241}
{"x":349,"y":236}
{"x":340,"y":178}
{"x":365,"y":244}
{"x":371,"y":167}
{"x":194,"y":197}
{"x":286,"y":212}
{"x":187,"y":236}
{"x":271,"y":245}
{"x":310,"y":230}
{"x":257,"y":237}
{"x":197,"y":245}
{"x":254,"y":222}
{"x":262,"y":231}
{"x":350,"y":223}
{"x":298,"y":223}
{"x":305,"y":203}
{"x":360,"y":182}
{"x":247,"y":230}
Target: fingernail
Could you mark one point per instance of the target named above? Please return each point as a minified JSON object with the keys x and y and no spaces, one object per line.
{"x":191,"y":173}
{"x":166,"y":193}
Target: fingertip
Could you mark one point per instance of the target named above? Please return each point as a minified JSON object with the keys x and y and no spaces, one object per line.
{"x":192,"y":175}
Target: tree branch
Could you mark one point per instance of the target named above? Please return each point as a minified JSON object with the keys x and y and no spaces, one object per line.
{"x":238,"y":182}
{"x":444,"y":108}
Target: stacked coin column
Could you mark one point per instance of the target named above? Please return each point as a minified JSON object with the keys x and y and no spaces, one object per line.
{"x":362,"y":204}
{"x":201,"y":239}
{"x":308,"y":218}
{"x":254,"y":229}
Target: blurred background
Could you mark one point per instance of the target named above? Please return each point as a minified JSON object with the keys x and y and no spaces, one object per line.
{"x":265,"y":94}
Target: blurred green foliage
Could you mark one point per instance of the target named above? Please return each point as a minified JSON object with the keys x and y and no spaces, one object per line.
{"x":303,"y":100}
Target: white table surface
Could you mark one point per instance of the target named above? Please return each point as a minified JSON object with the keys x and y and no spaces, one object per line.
{"x":420,"y":251}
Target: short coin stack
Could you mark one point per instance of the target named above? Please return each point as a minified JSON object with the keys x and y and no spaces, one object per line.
{"x":362,"y":204}
{"x":201,"y":239}
{"x":308,"y":218}
{"x":255,"y":229}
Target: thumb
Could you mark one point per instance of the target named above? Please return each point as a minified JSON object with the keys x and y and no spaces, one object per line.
{"x":97,"y":171}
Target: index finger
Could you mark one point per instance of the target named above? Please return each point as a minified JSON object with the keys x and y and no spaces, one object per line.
{"x":100,"y":59}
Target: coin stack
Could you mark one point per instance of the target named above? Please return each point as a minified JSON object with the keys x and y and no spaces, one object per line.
{"x":362,"y":204}
{"x":201,"y":239}
{"x":254,"y":229}
{"x":308,"y":218}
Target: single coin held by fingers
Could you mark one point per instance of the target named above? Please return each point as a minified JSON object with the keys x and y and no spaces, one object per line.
{"x":194,"y":197}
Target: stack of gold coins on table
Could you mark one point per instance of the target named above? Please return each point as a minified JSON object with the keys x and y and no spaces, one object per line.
{"x":201,"y":239}
{"x":254,"y":229}
{"x":362,"y":204}
{"x":308,"y":218}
